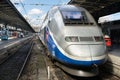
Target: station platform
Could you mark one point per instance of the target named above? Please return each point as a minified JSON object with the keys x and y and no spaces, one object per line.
{"x":115,"y":52}
{"x":113,"y":64}
{"x":8,"y":45}
{"x":11,"y":41}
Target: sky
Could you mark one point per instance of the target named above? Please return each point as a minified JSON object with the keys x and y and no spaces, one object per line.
{"x":35,"y":10}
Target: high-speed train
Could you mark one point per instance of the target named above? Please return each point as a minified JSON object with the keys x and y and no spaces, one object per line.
{"x":74,"y":40}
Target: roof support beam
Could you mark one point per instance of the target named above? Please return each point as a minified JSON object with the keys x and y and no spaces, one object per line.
{"x":98,"y":8}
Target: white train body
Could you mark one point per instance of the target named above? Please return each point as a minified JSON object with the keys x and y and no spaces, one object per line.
{"x":73,"y":39}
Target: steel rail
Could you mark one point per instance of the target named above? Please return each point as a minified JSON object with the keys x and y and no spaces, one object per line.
{"x":18,"y":77}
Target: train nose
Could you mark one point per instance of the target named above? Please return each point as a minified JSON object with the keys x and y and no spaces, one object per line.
{"x":78,"y":50}
{"x":86,"y":50}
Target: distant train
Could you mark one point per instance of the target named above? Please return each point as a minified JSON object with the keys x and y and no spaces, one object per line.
{"x":74,"y":40}
{"x":4,"y":33}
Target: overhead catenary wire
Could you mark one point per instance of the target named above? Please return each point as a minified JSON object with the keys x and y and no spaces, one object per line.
{"x":23,"y":6}
{"x":37,"y":4}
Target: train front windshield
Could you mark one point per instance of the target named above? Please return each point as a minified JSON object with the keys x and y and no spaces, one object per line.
{"x":75,"y":17}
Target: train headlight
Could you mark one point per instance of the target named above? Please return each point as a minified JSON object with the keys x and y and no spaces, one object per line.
{"x":72,"y":39}
{"x":98,"y":38}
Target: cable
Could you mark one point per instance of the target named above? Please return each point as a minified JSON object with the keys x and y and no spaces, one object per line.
{"x":41,"y":4}
{"x":22,"y":6}
{"x":37,"y":4}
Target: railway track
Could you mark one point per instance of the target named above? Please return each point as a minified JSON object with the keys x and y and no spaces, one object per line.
{"x":12,"y":68}
{"x":54,"y":73}
{"x":7,"y":52}
{"x":57,"y":74}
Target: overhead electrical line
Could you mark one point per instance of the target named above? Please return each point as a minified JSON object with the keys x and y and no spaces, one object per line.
{"x":38,"y":4}
{"x":23,"y":6}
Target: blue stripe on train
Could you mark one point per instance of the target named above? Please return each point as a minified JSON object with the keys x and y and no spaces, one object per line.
{"x":59,"y":56}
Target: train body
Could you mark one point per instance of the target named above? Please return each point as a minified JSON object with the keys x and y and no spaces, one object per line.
{"x":74,"y":40}
{"x":4,"y":34}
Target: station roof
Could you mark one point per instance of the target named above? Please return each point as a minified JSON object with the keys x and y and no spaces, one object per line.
{"x":98,"y":8}
{"x":10,"y":15}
